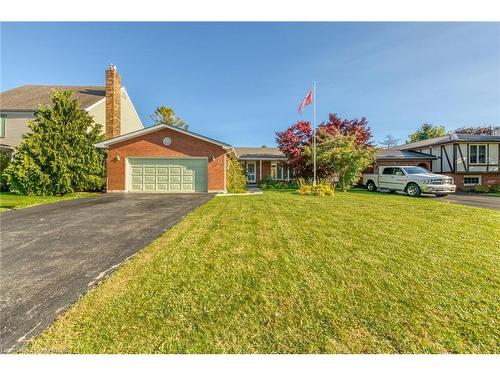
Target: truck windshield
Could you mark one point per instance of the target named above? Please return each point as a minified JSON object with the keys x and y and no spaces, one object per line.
{"x":415,"y":170}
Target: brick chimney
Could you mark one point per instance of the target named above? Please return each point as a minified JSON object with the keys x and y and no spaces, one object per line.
{"x":113,"y":102}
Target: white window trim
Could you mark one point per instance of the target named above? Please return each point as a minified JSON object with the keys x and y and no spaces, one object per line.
{"x":473,"y":176}
{"x":485,"y":156}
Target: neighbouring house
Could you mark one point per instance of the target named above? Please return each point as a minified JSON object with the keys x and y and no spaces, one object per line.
{"x":471,"y":159}
{"x":109,"y":105}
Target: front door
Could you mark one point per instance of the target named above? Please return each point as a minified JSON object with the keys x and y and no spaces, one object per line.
{"x":251,"y":172}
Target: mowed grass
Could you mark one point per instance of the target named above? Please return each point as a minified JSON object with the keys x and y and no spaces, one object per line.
{"x":283,"y":273}
{"x":9,"y":201}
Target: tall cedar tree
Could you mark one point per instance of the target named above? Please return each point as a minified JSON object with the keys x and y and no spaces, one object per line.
{"x":58,"y":157}
{"x":295,"y":140}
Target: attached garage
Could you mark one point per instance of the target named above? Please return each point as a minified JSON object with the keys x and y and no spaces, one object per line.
{"x":165,"y":159}
{"x":186,"y":175}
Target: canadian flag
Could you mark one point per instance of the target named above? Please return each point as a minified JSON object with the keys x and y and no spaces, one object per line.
{"x":306,"y":101}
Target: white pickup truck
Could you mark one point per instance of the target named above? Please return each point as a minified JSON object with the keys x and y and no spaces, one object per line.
{"x":410,"y":179}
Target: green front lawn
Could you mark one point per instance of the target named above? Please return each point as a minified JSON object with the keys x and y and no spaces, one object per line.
{"x":10,"y":200}
{"x":283,"y":273}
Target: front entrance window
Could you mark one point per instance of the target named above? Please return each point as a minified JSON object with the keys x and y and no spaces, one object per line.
{"x":274,"y":170}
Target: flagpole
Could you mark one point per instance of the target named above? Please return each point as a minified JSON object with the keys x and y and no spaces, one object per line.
{"x":314,"y":133}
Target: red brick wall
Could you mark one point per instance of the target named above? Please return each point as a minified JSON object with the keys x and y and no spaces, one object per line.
{"x":266,"y":169}
{"x":151,"y":145}
{"x":486,"y":178}
{"x":113,"y":102}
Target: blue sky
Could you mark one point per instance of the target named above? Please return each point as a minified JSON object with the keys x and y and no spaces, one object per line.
{"x":241,"y":82}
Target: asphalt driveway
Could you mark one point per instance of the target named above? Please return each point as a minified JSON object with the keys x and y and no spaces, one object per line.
{"x":467,"y":199}
{"x":470,"y":199}
{"x":53,"y":253}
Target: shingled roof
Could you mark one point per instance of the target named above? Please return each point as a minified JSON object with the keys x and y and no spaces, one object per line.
{"x":259,"y":153}
{"x":449,"y":138}
{"x":27,"y":98}
{"x":393,"y":154}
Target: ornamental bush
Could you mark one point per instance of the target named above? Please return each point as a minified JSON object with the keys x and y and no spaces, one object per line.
{"x":58,"y":156}
{"x":269,"y":183}
{"x":236,"y":179}
{"x":323,"y":187}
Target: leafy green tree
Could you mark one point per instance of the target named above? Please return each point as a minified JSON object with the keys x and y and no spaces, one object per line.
{"x":58,"y":155}
{"x":166,"y":115}
{"x":426,"y":131}
{"x":4,"y":162}
{"x":236,"y":179}
{"x":343,"y":156}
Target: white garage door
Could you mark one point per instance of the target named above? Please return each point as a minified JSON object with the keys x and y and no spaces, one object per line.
{"x":185,"y":175}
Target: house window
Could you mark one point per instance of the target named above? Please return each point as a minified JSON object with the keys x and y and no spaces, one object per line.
{"x":274,"y":170}
{"x":280,"y":171}
{"x":477,"y":154}
{"x":3,"y":119}
{"x":472,"y":180}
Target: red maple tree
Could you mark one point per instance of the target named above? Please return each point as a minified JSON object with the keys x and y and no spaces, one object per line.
{"x":297,"y":137}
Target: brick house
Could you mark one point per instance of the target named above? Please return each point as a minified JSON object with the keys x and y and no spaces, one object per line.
{"x":164,"y":158}
{"x":471,"y":159}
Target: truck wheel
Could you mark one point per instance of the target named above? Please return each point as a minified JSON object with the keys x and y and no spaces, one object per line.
{"x":370,"y":185}
{"x":413,"y":190}
{"x":441,"y":195}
